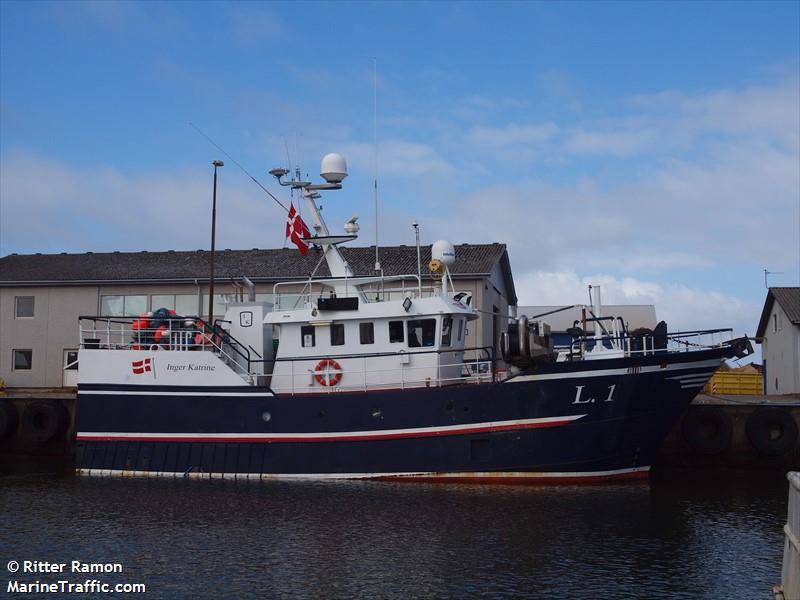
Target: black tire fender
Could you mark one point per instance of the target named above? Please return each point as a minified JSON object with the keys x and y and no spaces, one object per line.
{"x":9,"y":418}
{"x":707,"y":429}
{"x":42,"y":421}
{"x":772,"y":431}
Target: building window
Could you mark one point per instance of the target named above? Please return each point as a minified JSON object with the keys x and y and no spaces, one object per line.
{"x":337,"y":334}
{"x":367,"y":332}
{"x":219,"y":304}
{"x":396,"y":332}
{"x":307,"y":336}
{"x":23,"y":360}
{"x":421,"y":332}
{"x":447,"y":330}
{"x":122,"y":306}
{"x":23,"y":307}
{"x":183,"y":304}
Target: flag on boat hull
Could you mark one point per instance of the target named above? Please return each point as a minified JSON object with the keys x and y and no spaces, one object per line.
{"x":296,"y":229}
{"x":142,"y":366}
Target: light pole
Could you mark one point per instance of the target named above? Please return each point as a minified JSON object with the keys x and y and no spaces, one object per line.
{"x":216,"y":163}
{"x":415,"y":225}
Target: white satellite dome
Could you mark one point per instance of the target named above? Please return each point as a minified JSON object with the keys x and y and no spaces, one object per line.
{"x":334,"y":168}
{"x":444,"y":251}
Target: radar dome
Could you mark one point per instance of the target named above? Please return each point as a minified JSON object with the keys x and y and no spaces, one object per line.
{"x":334,"y":168}
{"x":444,"y":251}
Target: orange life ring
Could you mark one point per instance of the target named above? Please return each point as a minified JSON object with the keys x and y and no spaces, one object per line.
{"x":328,"y":372}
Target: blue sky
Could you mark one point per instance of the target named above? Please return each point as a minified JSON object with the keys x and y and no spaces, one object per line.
{"x":653,"y":148}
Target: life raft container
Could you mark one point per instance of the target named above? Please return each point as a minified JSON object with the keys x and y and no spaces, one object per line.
{"x":328,"y":372}
{"x":772,"y":431}
{"x":707,"y":429}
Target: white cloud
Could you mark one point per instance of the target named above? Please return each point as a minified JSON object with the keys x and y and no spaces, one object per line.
{"x":513,"y":134}
{"x":102,"y":209}
{"x":397,"y":158}
{"x":766,"y":112}
{"x":614,"y":143}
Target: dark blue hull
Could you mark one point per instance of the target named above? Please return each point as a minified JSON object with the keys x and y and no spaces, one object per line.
{"x":593,"y":419}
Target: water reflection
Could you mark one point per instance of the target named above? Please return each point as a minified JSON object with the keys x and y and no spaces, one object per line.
{"x":400,"y":540}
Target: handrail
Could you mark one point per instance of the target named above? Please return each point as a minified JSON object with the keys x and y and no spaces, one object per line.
{"x":214,"y":336}
{"x":405,"y":351}
{"x":646,"y":343}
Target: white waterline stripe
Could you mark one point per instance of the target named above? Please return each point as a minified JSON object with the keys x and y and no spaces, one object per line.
{"x":620,"y":371}
{"x":478,"y":475}
{"x":376,"y":433}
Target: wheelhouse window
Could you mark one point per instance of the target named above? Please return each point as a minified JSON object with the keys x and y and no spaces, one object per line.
{"x":337,"y":334}
{"x":307,"y":336}
{"x":366,"y":333}
{"x":23,"y":360}
{"x":447,"y":330}
{"x":460,"y":329}
{"x":23,"y":307}
{"x":396,"y":332}
{"x":421,"y":332}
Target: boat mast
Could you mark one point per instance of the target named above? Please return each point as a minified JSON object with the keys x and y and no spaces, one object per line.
{"x":333,"y":171}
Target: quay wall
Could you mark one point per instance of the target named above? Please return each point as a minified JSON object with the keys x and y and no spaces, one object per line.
{"x":37,"y":431}
{"x":746,"y":433}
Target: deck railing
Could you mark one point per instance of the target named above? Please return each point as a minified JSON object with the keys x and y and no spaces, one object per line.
{"x":177,"y":334}
{"x":650,"y":343}
{"x":367,"y":375}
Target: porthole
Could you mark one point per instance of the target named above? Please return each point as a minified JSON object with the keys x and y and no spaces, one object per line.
{"x":266,"y":417}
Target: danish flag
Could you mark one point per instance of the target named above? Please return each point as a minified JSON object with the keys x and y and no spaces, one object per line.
{"x":142,"y":366}
{"x":296,"y":229}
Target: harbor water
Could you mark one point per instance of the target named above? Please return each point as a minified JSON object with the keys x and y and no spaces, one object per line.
{"x":670,"y":538}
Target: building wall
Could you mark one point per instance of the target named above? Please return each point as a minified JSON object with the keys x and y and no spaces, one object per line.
{"x":54,"y":327}
{"x":781,"y":353}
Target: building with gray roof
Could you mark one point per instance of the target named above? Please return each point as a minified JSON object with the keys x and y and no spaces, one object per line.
{"x":42,"y":295}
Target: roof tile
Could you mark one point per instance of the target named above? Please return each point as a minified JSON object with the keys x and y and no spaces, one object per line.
{"x":271,"y":264}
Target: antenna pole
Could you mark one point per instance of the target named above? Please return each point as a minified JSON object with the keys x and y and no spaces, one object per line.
{"x":766,"y":285}
{"x":419,"y":261}
{"x":375,"y":143}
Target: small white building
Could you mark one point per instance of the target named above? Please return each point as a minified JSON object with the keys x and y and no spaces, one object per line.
{"x":779,"y":336}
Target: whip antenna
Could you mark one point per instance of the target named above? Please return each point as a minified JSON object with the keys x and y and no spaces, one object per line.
{"x":234,"y":161}
{"x":375,"y":143}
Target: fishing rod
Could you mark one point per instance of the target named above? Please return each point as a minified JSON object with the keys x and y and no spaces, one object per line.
{"x":256,"y":181}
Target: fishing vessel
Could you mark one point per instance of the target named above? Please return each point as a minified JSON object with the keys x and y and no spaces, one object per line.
{"x":370,"y":377}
